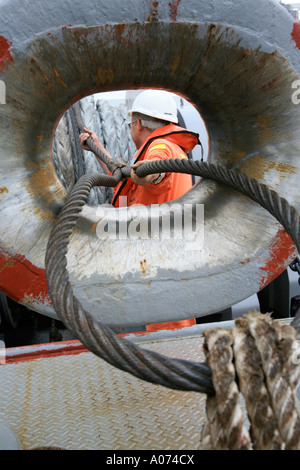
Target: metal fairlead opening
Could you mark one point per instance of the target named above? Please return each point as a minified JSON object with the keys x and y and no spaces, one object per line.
{"x":52,"y":60}
{"x":106,"y":114}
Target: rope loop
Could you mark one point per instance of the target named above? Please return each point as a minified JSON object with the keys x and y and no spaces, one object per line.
{"x":101,"y":340}
{"x":273,"y":408}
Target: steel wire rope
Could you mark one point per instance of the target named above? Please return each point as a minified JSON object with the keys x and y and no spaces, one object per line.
{"x":101,"y":340}
{"x":78,"y":149}
{"x":124,"y":354}
{"x":111,"y":164}
{"x":279,"y":207}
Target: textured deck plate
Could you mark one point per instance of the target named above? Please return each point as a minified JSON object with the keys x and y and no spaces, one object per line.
{"x":80,"y":402}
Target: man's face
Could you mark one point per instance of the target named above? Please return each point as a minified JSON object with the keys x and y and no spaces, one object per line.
{"x":134,"y":133}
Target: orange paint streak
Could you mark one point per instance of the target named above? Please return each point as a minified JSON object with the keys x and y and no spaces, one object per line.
{"x":20,"y":279}
{"x":46,"y":350}
{"x":281,"y":250}
{"x":296,"y":34}
{"x":5,"y":56}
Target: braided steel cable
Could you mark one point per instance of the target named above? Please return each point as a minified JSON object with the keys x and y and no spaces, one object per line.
{"x":279,"y":207}
{"x":101,"y":340}
{"x":78,"y":149}
{"x":111,"y":164}
{"x":269,"y":199}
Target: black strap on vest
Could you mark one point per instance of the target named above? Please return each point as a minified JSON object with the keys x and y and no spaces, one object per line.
{"x":142,"y":151}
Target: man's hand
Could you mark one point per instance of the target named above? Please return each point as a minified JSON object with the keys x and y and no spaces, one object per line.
{"x":146,"y":179}
{"x":85,"y":135}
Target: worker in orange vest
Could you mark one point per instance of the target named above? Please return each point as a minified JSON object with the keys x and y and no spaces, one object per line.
{"x":157,"y":136}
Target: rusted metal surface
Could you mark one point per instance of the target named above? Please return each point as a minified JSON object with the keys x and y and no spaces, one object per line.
{"x":49,"y":61}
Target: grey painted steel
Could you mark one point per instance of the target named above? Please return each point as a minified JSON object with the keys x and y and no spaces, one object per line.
{"x":236,"y":61}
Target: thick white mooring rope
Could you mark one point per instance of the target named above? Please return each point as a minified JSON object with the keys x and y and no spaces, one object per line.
{"x":255,"y":358}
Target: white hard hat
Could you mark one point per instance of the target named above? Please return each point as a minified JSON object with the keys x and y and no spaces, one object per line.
{"x":158,"y":104}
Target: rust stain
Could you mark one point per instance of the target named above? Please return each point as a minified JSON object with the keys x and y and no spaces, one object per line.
{"x":54,"y":38}
{"x":93,"y":227}
{"x":272,"y":83}
{"x":42,"y":185}
{"x":175,"y":64}
{"x":34,"y":62}
{"x":173,"y":9}
{"x":121,"y":33}
{"x":105,"y":76}
{"x":265,"y":130}
{"x":7,"y":263}
{"x":257,"y":166}
{"x":212,"y":38}
{"x":120,"y":29}
{"x":59,"y":79}
{"x":44,"y":214}
{"x":237,"y":155}
{"x":143,"y":264}
{"x":285,"y":168}
{"x":230,"y":155}
{"x":3,"y":190}
{"x":154,"y":11}
{"x":5,"y":55}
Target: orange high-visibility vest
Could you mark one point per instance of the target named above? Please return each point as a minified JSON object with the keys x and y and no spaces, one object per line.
{"x":170,"y":141}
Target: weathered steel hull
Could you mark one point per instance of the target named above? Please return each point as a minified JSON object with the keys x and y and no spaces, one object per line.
{"x":236,"y":62}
